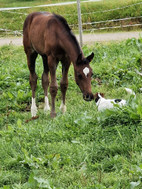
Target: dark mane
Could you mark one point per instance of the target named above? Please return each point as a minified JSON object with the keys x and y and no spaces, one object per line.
{"x":63,"y":21}
{"x":68,"y":29}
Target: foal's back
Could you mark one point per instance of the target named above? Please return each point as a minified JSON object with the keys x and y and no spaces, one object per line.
{"x":37,"y":31}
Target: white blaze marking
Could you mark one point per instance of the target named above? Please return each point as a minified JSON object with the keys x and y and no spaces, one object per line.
{"x":33,"y":108}
{"x":46,"y":107}
{"x":86,"y":71}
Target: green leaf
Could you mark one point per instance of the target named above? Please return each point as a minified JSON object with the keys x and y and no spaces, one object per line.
{"x":43,"y":183}
{"x":19,"y":123}
{"x":31,"y":181}
{"x":6,"y":187}
{"x":139,"y":110}
{"x":134,"y":184}
{"x":10,"y":95}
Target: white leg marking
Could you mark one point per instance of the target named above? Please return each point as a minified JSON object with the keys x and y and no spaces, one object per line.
{"x":46,"y":106}
{"x":33,"y":108}
{"x":86,"y":71}
{"x":63,"y":107}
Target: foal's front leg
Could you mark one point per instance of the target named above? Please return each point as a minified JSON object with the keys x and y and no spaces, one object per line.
{"x":53,"y":86}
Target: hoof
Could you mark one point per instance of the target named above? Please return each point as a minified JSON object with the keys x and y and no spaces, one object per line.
{"x":53,"y":114}
{"x":63,"y":108}
{"x":33,"y":111}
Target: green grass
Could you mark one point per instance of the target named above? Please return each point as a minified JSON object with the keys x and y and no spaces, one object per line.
{"x":14,"y":20}
{"x":83,"y":148}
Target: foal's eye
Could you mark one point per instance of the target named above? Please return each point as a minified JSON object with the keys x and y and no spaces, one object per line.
{"x":79,"y":76}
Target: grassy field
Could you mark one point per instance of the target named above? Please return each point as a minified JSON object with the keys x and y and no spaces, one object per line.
{"x":84,"y":148}
{"x":91,"y":12}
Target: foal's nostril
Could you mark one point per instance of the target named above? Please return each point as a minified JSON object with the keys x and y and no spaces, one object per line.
{"x":91,"y":97}
{"x":87,"y":96}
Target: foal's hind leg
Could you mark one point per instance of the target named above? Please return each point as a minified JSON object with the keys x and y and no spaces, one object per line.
{"x":45,"y":82}
{"x":31,"y":57}
{"x":64,"y":82}
{"x":52,"y":63}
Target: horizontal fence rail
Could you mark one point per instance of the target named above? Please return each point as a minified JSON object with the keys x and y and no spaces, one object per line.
{"x":109,"y":10}
{"x":113,"y":27}
{"x":94,"y":12}
{"x":48,"y":5}
{"x":19,"y":32}
{"x":107,"y":21}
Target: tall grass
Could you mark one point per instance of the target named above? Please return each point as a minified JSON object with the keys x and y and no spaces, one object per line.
{"x":83,"y":148}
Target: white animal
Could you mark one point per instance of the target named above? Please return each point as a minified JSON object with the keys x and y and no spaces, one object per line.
{"x":103,"y":104}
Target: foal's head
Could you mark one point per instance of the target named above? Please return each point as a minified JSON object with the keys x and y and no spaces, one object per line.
{"x":83,"y":74}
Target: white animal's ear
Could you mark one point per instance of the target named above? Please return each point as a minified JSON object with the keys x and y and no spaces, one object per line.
{"x":130,"y":91}
{"x":99,"y":95}
{"x":102,"y":94}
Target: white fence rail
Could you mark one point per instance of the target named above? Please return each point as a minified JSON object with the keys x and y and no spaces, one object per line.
{"x":48,"y":5}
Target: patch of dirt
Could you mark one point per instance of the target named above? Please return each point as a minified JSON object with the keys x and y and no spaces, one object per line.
{"x":87,"y":38}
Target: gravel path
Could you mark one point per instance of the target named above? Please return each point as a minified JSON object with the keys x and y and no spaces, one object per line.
{"x":87,"y":38}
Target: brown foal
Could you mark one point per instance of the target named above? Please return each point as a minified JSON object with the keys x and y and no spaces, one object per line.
{"x":50,"y":36}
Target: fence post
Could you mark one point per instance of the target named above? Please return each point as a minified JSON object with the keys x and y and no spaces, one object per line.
{"x":79,"y":22}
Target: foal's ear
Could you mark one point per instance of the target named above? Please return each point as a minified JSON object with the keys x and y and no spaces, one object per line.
{"x":79,"y":59}
{"x":90,"y":57}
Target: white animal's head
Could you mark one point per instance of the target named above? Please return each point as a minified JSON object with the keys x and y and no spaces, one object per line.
{"x":98,"y":96}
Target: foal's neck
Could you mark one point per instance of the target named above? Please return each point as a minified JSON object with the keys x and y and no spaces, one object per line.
{"x":71,"y":47}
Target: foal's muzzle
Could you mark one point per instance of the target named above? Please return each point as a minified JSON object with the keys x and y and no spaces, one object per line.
{"x":88,"y":97}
